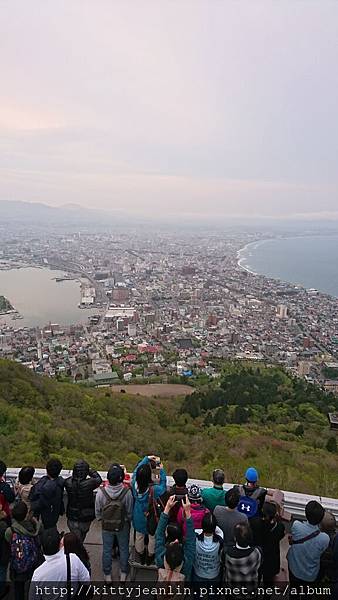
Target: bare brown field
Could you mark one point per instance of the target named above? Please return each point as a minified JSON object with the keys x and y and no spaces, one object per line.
{"x":165,"y":390}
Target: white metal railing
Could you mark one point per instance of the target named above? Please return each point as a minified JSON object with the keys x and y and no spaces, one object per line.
{"x":294,"y":503}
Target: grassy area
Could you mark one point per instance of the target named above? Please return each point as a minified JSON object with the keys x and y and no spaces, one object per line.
{"x":5,"y":305}
{"x":40,"y":417}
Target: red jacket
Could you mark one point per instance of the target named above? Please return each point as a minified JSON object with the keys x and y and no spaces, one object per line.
{"x":197,"y":513}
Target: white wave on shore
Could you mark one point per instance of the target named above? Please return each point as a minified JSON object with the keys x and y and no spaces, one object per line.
{"x":242,"y":260}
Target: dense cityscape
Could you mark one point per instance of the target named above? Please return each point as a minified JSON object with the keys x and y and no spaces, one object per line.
{"x":168,"y":308}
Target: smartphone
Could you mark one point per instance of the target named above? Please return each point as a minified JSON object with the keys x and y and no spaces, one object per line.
{"x":179,"y":497}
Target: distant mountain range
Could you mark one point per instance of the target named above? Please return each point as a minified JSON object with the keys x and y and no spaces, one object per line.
{"x":73,"y":216}
{"x":39,"y":214}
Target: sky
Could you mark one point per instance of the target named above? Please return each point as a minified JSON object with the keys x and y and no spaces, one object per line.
{"x":171,"y":107}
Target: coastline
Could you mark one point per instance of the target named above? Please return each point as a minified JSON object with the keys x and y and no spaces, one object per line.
{"x":240,"y":258}
{"x":243,"y":262}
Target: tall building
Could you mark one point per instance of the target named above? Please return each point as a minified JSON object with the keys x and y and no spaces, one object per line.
{"x":132,"y":329}
{"x":282,"y":311}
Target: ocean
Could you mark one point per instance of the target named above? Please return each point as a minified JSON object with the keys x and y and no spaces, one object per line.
{"x":309,"y":261}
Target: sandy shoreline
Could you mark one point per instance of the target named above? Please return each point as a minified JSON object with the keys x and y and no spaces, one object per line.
{"x":241,"y":259}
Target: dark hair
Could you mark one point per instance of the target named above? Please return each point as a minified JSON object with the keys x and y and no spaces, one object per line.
{"x":243,"y":534}
{"x":3,"y":468}
{"x":314,"y":512}
{"x":50,"y":541}
{"x":180,"y":477}
{"x":174,"y":532}
{"x":209,"y":523}
{"x":218,"y":476}
{"x":174,"y":555}
{"x":54,"y":468}
{"x":143,"y":478}
{"x":232,"y":497}
{"x":20,"y":510}
{"x":269,"y":511}
{"x":115,"y":474}
{"x":26,"y":475}
{"x":72,"y":544}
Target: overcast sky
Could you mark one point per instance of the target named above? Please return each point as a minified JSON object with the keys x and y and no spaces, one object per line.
{"x":161,"y":106}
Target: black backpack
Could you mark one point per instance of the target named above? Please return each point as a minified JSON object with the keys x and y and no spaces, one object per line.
{"x":114,"y":512}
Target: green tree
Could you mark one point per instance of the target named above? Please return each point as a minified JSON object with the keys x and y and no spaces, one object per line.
{"x":331,"y":444}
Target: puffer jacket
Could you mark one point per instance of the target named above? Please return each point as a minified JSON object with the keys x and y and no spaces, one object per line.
{"x":80,"y":491}
{"x":141,"y":505}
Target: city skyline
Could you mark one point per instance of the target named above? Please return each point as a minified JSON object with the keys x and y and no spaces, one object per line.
{"x":171,"y":109}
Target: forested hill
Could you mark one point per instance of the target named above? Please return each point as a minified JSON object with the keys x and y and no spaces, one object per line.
{"x":252,"y":416}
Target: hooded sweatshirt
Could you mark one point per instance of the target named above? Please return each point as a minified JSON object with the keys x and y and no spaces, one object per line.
{"x":114,"y":491}
{"x":28,"y":528}
{"x":207,"y":562}
{"x":25,"y":528}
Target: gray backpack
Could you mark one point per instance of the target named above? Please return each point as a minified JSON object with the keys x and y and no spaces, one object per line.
{"x":114,"y":512}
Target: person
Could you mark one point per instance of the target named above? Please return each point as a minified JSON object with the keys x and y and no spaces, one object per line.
{"x":55,"y":568}
{"x":81,"y":502}
{"x":215,"y":496}
{"x":179,"y":489}
{"x":24,"y":484}
{"x":307,"y":544}
{"x":252,"y":494}
{"x":207,"y":563}
{"x":227,"y":517}
{"x":327,"y":572}
{"x":46,"y":496}
{"x":4,"y":554}
{"x":175,"y":559}
{"x":23,"y":539}
{"x":114,"y":508}
{"x":335,"y":567}
{"x":243,"y":560}
{"x":73,"y":545}
{"x":141,"y":485}
{"x":7,"y":495}
{"x":272,"y":533}
{"x":197,"y":509}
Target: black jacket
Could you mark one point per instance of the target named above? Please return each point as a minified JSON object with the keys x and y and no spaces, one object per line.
{"x":5,"y":550}
{"x":272,"y":535}
{"x":46,"y":498}
{"x":80,"y":491}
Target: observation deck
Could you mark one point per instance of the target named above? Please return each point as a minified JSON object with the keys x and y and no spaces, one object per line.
{"x":294,"y":503}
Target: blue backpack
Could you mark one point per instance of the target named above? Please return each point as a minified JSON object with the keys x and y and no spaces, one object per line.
{"x":248,"y":505}
{"x":24,"y":553}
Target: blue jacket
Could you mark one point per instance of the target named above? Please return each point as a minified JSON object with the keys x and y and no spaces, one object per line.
{"x":189,"y":546}
{"x":141,"y":504}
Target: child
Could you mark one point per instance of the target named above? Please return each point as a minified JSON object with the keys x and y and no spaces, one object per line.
{"x":25,"y":552}
{"x":207,"y":564}
{"x":197,"y":509}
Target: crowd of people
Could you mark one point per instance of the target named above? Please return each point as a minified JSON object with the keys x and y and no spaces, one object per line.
{"x":191,"y":535}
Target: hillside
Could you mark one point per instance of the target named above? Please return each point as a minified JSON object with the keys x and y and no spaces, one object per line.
{"x":260,"y":417}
